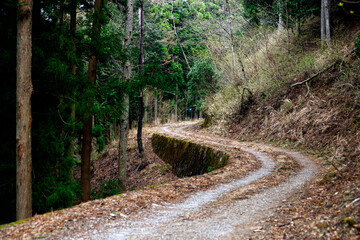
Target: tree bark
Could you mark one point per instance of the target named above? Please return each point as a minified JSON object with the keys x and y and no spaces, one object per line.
{"x":186,"y":105}
{"x":141,"y":35}
{"x":322,"y":27}
{"x":160,"y":119}
{"x":88,"y":117}
{"x":73,"y":34}
{"x":61,"y":23}
{"x":280,"y":22}
{"x":141,"y":63}
{"x":24,"y":90}
{"x":73,"y":67}
{"x":61,"y":20}
{"x":140,"y":124}
{"x":176,"y":103}
{"x":146,"y":107}
{"x":156,"y":121}
{"x":327,"y":21}
{"x":297,"y":20}
{"x":124,"y":129}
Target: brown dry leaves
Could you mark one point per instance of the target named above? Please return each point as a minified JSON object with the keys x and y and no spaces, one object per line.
{"x":171,"y":189}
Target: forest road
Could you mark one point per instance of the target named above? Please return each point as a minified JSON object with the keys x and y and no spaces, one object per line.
{"x":233,"y":220}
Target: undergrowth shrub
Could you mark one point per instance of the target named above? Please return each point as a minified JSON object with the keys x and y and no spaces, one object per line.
{"x":63,"y":196}
{"x":100,"y":140}
{"x":107,"y":188}
{"x":271,"y":69}
{"x":222,"y":105}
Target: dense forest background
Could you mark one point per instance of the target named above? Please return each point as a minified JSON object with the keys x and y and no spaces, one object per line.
{"x":195,"y":58}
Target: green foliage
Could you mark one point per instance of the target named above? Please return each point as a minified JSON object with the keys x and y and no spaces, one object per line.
{"x":210,"y":169}
{"x":62,"y":196}
{"x":107,"y":188}
{"x":266,"y":11}
{"x":201,"y":78}
{"x":53,"y":187}
{"x":98,"y":134}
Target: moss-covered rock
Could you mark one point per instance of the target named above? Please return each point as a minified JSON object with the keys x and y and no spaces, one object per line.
{"x":187,"y":158}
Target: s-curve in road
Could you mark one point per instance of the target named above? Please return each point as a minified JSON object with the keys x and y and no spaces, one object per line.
{"x":233,"y":220}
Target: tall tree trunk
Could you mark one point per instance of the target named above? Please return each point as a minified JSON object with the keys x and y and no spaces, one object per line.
{"x":86,"y":145}
{"x":141,"y":35}
{"x":160,"y":107}
{"x":327,"y":21}
{"x":123,"y":140}
{"x":141,"y":63}
{"x":186,"y":105}
{"x":73,"y":34}
{"x":280,"y":22}
{"x":146,"y":106}
{"x":61,"y":22}
{"x":297,"y":20}
{"x":88,"y":117}
{"x":140,"y":123}
{"x":322,"y":27}
{"x":24,"y":90}
{"x":150,"y":107}
{"x":124,"y":129}
{"x":156,"y":121}
{"x":73,"y":66}
{"x":176,"y":103}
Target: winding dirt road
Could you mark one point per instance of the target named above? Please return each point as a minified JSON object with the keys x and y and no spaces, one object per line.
{"x":233,"y":220}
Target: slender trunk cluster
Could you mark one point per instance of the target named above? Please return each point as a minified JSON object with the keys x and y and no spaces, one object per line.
{"x":24,"y":90}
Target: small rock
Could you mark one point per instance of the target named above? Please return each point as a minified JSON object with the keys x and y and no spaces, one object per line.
{"x":123,"y":215}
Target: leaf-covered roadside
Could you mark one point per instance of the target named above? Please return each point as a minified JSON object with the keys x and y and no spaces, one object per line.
{"x":66,"y":222}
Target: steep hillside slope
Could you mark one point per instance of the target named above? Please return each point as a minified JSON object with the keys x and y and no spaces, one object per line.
{"x":306,"y":99}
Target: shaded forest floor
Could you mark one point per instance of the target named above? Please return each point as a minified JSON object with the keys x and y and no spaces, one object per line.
{"x":92,"y":215}
{"x":147,"y":171}
{"x":155,"y":183}
{"x":325,"y":208}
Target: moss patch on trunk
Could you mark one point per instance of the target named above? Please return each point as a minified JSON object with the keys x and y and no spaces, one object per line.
{"x":187,"y":158}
